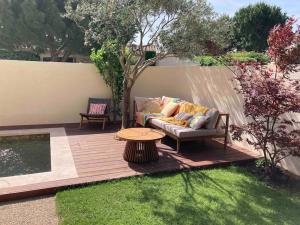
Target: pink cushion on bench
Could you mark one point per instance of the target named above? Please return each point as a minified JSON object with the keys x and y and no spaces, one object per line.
{"x":97,"y":109}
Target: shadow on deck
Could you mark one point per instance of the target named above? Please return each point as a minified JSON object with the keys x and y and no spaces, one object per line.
{"x":98,"y":156}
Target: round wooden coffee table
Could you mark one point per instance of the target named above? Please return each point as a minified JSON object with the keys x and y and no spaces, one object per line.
{"x":140,"y":146}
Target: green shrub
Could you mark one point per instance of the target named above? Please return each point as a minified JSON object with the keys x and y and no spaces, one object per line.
{"x":261,"y":163}
{"x":249,"y":56}
{"x":19,"y":55}
{"x":232,"y":56}
{"x":150,"y":55}
{"x":207,"y":61}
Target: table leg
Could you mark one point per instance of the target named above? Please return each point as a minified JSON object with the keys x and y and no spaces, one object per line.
{"x":140,"y":152}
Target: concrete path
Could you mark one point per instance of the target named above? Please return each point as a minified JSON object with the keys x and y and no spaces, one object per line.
{"x":37,"y":211}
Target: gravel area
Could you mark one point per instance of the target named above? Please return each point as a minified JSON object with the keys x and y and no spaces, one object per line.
{"x":36,"y":211}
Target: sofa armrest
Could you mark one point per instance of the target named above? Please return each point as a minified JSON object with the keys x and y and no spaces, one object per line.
{"x":223,"y":115}
{"x":226,"y":116}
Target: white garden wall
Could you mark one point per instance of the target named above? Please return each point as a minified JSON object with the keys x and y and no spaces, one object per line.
{"x":53,"y":93}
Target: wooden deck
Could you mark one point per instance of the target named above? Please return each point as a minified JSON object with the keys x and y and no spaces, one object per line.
{"x":98,"y":157}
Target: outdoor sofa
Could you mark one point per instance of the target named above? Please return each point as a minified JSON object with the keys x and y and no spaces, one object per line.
{"x":212,"y":128}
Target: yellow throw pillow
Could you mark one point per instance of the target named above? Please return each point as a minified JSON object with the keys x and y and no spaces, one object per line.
{"x":152,"y":106}
{"x":169,"y":109}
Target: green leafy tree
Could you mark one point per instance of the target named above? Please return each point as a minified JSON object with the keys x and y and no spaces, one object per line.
{"x":222,"y":35}
{"x":107,"y":61}
{"x":182,"y":27}
{"x":38,"y":26}
{"x":253,"y":23}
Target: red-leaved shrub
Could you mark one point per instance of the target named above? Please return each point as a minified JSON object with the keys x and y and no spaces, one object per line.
{"x":270,"y":94}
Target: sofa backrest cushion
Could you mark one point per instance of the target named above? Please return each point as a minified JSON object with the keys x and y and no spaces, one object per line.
{"x":141,"y":101}
{"x":213,"y":115}
{"x":152,"y":106}
{"x":166,"y":100}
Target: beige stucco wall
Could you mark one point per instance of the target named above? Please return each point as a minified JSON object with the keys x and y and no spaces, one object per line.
{"x":49,"y":93}
{"x":210,"y":86}
{"x":45,"y":93}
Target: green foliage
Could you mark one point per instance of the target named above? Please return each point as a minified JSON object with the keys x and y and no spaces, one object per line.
{"x":19,"y":55}
{"x":222,"y":35}
{"x":38,"y":25}
{"x":262,"y":163}
{"x":228,"y":58}
{"x":150,"y":54}
{"x":184,"y":27}
{"x":207,"y":61}
{"x":107,"y":61}
{"x":249,"y":56}
{"x":219,"y":197}
{"x":253,"y":23}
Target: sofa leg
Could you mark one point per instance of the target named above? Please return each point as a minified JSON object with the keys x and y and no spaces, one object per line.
{"x":178,"y":146}
{"x":226,"y":132}
{"x":80,"y":125}
{"x":103,"y":124}
{"x":225,"y":142}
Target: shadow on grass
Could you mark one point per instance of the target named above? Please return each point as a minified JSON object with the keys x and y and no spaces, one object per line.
{"x":201,"y":199}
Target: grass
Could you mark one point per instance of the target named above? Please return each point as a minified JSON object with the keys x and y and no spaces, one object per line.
{"x":219,"y":196}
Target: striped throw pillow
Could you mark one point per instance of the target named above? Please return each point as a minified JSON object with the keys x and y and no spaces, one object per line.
{"x":97,"y":109}
{"x":183,"y":116}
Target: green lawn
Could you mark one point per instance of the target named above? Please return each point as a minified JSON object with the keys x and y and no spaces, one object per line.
{"x":220,"y":196}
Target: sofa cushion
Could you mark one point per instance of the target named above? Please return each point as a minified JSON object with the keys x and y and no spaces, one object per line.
{"x":198,"y":121}
{"x":152,"y":106}
{"x":189,"y":132}
{"x":184,"y":132}
{"x":141,"y":101}
{"x":159,"y":123}
{"x":166,"y":100}
{"x":213,"y":115}
{"x":183,"y":116}
{"x":169,"y":109}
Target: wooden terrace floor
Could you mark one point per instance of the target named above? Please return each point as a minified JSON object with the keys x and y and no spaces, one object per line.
{"x":98,"y":157}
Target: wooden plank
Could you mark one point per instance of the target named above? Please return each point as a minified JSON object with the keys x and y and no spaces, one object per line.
{"x":98,"y":156}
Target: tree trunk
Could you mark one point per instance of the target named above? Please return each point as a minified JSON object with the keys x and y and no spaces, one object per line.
{"x":66,"y":55}
{"x":114,"y":105}
{"x":126,"y":105}
{"x":54,"y":55}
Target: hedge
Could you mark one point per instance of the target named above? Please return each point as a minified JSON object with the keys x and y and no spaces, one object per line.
{"x":232,"y":56}
{"x":19,"y":55}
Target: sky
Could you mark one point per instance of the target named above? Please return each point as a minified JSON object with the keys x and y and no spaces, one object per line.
{"x":291,"y":7}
